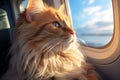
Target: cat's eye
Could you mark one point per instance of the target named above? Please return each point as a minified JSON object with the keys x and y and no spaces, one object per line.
{"x":57,"y":24}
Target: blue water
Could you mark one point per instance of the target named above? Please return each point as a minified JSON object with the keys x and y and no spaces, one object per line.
{"x":95,"y":41}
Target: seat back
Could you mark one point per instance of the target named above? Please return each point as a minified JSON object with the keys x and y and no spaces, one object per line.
{"x":4,"y":40}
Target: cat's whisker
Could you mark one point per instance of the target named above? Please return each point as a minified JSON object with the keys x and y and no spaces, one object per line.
{"x":48,"y":33}
{"x":52,"y":44}
{"x":55,"y":45}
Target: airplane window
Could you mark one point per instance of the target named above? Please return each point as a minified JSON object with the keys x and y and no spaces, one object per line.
{"x":24,"y":4}
{"x":4,"y":24}
{"x":48,"y":2}
{"x":93,"y":21}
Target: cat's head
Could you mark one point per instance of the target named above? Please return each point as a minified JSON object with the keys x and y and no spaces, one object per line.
{"x":45,"y":28}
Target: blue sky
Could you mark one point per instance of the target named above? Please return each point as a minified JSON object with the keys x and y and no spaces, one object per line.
{"x":92,"y":16}
{"x":25,"y":3}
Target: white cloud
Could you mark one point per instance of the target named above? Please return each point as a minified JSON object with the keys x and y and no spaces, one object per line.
{"x":106,"y":28}
{"x":91,"y":10}
{"x":91,"y":1}
{"x":98,"y":14}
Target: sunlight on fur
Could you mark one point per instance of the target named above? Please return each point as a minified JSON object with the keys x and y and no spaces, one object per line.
{"x":45,"y":47}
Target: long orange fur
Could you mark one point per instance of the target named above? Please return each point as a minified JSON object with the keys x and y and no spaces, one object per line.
{"x":42,"y":51}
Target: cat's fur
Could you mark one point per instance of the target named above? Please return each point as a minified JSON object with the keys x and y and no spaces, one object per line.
{"x":45,"y":47}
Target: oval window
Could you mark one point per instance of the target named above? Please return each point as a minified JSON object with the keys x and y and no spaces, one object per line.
{"x":93,"y":21}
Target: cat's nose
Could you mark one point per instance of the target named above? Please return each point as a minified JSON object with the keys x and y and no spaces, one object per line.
{"x":72,"y":32}
{"x":67,"y":30}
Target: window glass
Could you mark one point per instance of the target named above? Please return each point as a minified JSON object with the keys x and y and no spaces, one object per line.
{"x":24,"y":4}
{"x":4,"y":24}
{"x":93,"y":21}
{"x":48,"y":2}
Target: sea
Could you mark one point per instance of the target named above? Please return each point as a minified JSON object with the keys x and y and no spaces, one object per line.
{"x":94,"y":40}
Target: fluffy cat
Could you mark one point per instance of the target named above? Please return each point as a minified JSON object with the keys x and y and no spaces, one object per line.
{"x":45,"y":47}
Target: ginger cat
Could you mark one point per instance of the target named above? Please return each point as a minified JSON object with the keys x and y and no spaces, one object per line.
{"x":45,"y":47}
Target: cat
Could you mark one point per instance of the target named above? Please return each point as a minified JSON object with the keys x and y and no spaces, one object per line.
{"x":45,"y":47}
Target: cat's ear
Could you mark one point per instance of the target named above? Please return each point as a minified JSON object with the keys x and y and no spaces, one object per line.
{"x":33,"y":7}
{"x":62,"y":8}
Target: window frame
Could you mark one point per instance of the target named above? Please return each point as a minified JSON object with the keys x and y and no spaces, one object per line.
{"x":15,"y":9}
{"x":111,"y":51}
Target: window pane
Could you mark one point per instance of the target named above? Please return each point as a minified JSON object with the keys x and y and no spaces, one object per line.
{"x":24,"y":4}
{"x":4,"y":24}
{"x":48,"y":2}
{"x":93,"y":21}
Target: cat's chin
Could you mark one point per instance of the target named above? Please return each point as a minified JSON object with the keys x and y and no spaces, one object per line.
{"x":70,"y":45}
{"x":67,"y":44}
